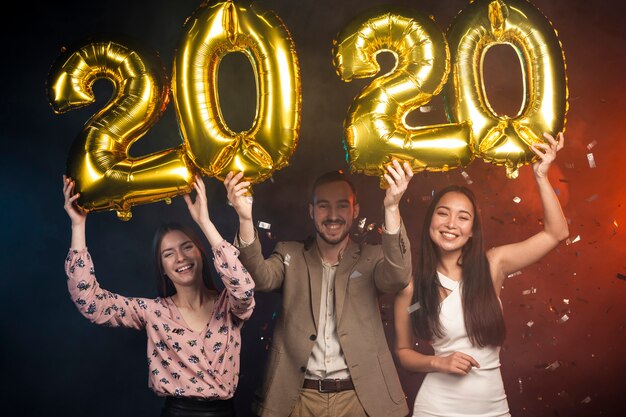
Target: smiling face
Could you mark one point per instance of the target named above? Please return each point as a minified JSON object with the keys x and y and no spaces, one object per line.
{"x":452,"y":222}
{"x":333,"y":211}
{"x":181,"y":259}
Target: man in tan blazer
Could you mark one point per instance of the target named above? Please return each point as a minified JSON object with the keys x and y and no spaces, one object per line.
{"x":329,"y":354}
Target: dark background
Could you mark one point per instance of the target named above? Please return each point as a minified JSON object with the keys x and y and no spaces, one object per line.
{"x":54,"y":362}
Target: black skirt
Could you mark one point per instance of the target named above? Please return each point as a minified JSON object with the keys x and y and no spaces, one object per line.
{"x":192,"y":407}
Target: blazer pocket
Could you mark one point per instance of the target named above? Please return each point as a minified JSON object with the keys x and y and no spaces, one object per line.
{"x":391,"y":378}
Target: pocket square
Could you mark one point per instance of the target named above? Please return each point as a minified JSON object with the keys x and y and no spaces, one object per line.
{"x":355,"y":274}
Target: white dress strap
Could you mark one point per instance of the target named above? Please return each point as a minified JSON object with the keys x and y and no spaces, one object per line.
{"x":447,"y":283}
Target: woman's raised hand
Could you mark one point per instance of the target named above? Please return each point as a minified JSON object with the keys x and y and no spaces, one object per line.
{"x":238,"y":195}
{"x":198,"y":209}
{"x":76,"y":214}
{"x":546,"y":153}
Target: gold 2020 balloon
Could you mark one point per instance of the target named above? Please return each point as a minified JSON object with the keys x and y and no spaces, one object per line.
{"x":504,"y":140}
{"x":375,"y":129}
{"x":106,"y":176}
{"x":213,"y":31}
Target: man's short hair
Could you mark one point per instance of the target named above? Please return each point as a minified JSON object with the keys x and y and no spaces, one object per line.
{"x":329,"y":177}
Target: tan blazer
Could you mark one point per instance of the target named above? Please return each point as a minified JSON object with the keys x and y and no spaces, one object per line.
{"x":296,"y":270}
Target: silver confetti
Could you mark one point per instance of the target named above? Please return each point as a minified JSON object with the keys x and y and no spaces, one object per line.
{"x":287,"y":259}
{"x":591,"y":160}
{"x":554,"y":365}
{"x":514,"y":274}
{"x":532,"y":290}
{"x":467,"y":177}
{"x":263,"y":225}
{"x":572,"y":241}
{"x":592,"y":144}
{"x":517,"y":199}
{"x":563,"y":318}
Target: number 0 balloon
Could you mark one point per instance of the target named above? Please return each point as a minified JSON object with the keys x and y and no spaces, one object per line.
{"x":213,"y":31}
{"x":482,"y":24}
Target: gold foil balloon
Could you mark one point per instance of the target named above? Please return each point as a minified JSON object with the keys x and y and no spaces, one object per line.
{"x":213,"y":31}
{"x":375,"y":129}
{"x":106,"y":176}
{"x":504,"y":140}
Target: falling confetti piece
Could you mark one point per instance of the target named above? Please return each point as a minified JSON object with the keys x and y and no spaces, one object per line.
{"x":591,"y":198}
{"x":263,"y":225}
{"x":569,"y":165}
{"x":426,"y":109}
{"x":532,"y":290}
{"x":517,"y":200}
{"x":467,"y":177}
{"x":566,"y":301}
{"x":361,"y":224}
{"x":591,"y":160}
{"x":413,"y":307}
{"x":553,"y":366}
{"x":615,"y":222}
{"x":586,"y":400}
{"x":563,"y":319}
{"x":530,"y":323}
{"x":621,"y":276}
{"x":572,"y":241}
{"x":514,"y":274}
{"x":592,"y":144}
{"x":287,"y":259}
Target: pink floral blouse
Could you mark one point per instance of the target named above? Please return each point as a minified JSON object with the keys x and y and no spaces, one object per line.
{"x":181,"y":362}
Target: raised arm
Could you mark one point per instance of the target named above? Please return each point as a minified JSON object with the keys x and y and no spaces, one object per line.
{"x":236,"y":279}
{"x":199,"y":211}
{"x":507,"y":259}
{"x":95,"y":303}
{"x":393,"y":272}
{"x":238,"y":197}
{"x":456,"y":363}
{"x":398,"y":178}
{"x":77,"y":215}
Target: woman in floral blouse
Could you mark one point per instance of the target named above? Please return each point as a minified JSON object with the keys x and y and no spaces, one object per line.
{"x":193,"y":330}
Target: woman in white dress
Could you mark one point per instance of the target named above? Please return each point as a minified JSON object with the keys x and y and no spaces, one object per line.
{"x":454,"y":299}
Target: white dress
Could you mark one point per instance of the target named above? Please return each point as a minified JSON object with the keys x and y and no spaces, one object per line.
{"x":481,"y":391}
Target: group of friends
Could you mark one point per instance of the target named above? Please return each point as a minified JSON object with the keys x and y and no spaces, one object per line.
{"x":329,"y":354}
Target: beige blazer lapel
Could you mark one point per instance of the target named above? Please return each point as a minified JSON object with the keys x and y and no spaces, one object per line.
{"x":314,"y":269}
{"x":342,"y":277}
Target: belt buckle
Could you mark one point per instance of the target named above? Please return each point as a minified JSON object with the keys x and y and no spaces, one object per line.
{"x":319,"y":386}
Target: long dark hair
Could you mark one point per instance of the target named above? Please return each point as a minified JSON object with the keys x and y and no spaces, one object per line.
{"x":165,"y":287}
{"x":484,"y":321}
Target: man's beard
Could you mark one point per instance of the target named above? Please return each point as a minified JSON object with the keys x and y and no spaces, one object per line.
{"x":337,"y":240}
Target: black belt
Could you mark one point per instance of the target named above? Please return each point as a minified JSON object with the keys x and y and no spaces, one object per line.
{"x":328,"y":385}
